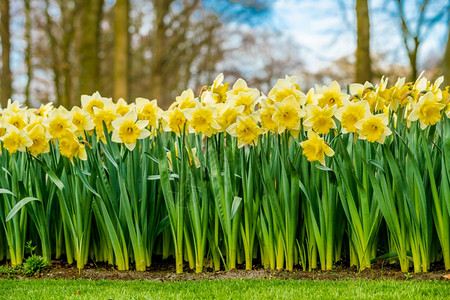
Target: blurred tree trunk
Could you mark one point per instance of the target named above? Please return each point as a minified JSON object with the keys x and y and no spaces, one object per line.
{"x":159,"y":49}
{"x":28,"y":51}
{"x":5,"y":84}
{"x":55,"y":60}
{"x":69,"y":15}
{"x":121,"y":49}
{"x":178,"y":40}
{"x":363,"y":62}
{"x":446,"y":60}
{"x":90,"y":39}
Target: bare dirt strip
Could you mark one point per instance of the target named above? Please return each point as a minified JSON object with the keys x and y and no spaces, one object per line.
{"x":165,"y":271}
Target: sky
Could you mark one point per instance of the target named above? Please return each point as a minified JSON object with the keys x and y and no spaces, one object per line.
{"x":326,"y":32}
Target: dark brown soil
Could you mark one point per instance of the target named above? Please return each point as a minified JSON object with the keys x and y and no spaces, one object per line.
{"x":166,"y":272}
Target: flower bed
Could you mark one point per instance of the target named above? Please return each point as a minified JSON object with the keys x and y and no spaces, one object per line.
{"x":233,"y":176}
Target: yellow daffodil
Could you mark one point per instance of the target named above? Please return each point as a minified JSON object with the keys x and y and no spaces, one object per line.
{"x":58,"y":122}
{"x":193,"y":161}
{"x":266,"y":117}
{"x":44,"y":110}
{"x":382,"y":97}
{"x":34,"y":121}
{"x":207,"y":98}
{"x":239,"y":86}
{"x":17,"y":119}
{"x":82,"y":120}
{"x":320,"y":119}
{"x":351,"y":113}
{"x":400,"y":95}
{"x":427,"y":110}
{"x":226,"y":115}
{"x":218,"y":91}
{"x":122,"y":107}
{"x":358,"y":90}
{"x":104,"y":115}
{"x":217,"y":81}
{"x":248,"y":99}
{"x":15,"y":140}
{"x":331,"y":95}
{"x":40,"y":138}
{"x":421,"y":83}
{"x":315,"y":148}
{"x":128,"y":130}
{"x":287,"y":115}
{"x":174,"y":120}
{"x":88,"y":103}
{"x":2,"y":130}
{"x":148,"y":110}
{"x":310,"y":98}
{"x":435,"y":88}
{"x":246,"y":130}
{"x":446,"y":100}
{"x":70,"y":146}
{"x":185,"y":100}
{"x":202,"y":119}
{"x":13,"y":106}
{"x":287,"y":87}
{"x":373,"y":128}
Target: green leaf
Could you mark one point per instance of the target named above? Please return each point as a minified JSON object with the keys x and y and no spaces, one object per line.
{"x":323,"y":168}
{"x":51,"y":174}
{"x":85,"y":182}
{"x":153,"y":158}
{"x":5,"y":191}
{"x":158,"y":177}
{"x":6,"y":171}
{"x":376,"y":164}
{"x":393,"y":254}
{"x":108,"y":155}
{"x":235,"y":206}
{"x":162,"y":225}
{"x":18,"y":206}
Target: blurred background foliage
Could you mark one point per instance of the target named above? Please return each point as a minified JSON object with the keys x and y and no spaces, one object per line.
{"x":56,"y":50}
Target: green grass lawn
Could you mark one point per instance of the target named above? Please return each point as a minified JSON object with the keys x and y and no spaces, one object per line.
{"x":223,"y":289}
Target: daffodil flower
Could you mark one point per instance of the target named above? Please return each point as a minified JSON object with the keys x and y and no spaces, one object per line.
{"x":128,"y":130}
{"x":320,"y":119}
{"x":40,"y":138}
{"x":122,"y":107}
{"x":427,"y":110}
{"x":71,"y":147}
{"x":88,"y":103}
{"x":148,"y":110}
{"x":331,"y":95}
{"x":246,"y":130}
{"x":288,"y":114}
{"x":185,"y":100}
{"x":82,"y":120}
{"x":202,"y":119}
{"x":286,"y":87}
{"x":373,"y":128}
{"x":15,"y":140}
{"x":58,"y":122}
{"x":227,"y":115}
{"x":351,"y":113}
{"x":315,"y":148}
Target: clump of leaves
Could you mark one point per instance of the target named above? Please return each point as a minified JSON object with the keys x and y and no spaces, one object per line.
{"x":10,"y":271}
{"x":34,"y":264}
